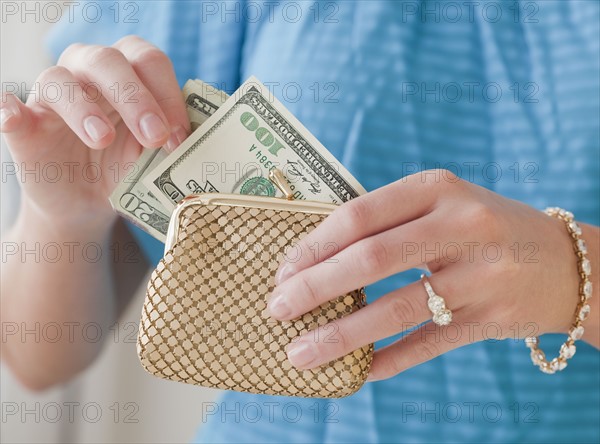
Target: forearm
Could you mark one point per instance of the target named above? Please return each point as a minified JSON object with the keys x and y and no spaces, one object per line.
{"x":591,"y":235}
{"x":58,"y":293}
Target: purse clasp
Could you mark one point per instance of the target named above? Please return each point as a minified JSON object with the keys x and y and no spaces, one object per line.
{"x":276,"y":176}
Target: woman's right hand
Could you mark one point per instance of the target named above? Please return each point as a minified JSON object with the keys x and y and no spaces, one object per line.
{"x":93,"y":113}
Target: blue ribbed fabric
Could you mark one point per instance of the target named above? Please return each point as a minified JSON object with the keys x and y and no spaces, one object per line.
{"x":510,"y":102}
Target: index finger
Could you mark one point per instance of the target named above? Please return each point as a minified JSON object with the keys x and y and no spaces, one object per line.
{"x":155,"y":70}
{"x":395,"y":204}
{"x":109,"y":70}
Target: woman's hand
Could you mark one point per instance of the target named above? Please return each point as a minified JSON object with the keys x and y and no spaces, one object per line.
{"x":87,"y":122}
{"x":497,"y":262}
{"x":88,"y":118}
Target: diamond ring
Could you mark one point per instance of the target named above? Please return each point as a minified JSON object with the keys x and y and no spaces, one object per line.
{"x":437,"y":305}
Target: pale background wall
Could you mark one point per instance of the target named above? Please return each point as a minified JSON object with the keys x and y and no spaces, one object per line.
{"x":163,"y":411}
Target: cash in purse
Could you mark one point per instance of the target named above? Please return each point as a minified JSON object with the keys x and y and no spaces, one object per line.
{"x":204,"y":321}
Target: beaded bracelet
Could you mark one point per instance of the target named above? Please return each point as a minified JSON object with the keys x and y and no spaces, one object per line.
{"x":567,"y":350}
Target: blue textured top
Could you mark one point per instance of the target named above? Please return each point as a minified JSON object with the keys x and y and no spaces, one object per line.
{"x":506,"y":94}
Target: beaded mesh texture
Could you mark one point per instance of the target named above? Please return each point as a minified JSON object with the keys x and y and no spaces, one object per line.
{"x":204,"y":320}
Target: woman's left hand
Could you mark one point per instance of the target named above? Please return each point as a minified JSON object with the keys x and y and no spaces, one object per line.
{"x":495,"y":261}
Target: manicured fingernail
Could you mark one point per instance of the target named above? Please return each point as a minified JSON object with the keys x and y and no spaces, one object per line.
{"x":95,"y":127}
{"x":178,"y":135}
{"x":278,"y":307}
{"x":5,"y":115}
{"x":284,"y":272}
{"x":301,"y":354}
{"x":153,"y":128}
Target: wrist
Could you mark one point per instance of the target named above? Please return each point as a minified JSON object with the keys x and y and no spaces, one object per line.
{"x":591,"y":235}
{"x":585,"y":294}
{"x":35,"y":224}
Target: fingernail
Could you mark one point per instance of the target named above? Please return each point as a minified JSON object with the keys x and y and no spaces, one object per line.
{"x":153,"y":128}
{"x":95,"y":128}
{"x":9,"y":108}
{"x":5,"y":115}
{"x":178,"y":135}
{"x":278,"y":307}
{"x":284,"y":272}
{"x":301,"y":354}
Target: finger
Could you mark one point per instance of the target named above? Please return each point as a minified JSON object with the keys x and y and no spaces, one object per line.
{"x":362,"y":263}
{"x":85,"y":118}
{"x":394,"y":204}
{"x":398,"y":311}
{"x":155,"y":70}
{"x":114,"y":76}
{"x":15,"y":117}
{"x":422,"y":345}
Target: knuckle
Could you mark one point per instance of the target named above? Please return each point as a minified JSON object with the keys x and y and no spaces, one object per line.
{"x":103,"y":56}
{"x":307,"y":289}
{"x":129,"y":39}
{"x":338,"y":339}
{"x":70,"y":50}
{"x":149,"y":56}
{"x":170,"y":102}
{"x":355,"y":214}
{"x":393,"y":365}
{"x":52,"y":74}
{"x":449,"y":176}
{"x":70,"y":107}
{"x":439,"y":177}
{"x":425,"y":350}
{"x":448,"y":181}
{"x":374,"y":256}
{"x":297,"y":255}
{"x":401,"y":311}
{"x":480,"y":216}
{"x":414,"y":178}
{"x":503,"y":268}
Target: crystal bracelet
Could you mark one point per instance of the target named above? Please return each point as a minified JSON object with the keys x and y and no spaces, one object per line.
{"x":567,"y":350}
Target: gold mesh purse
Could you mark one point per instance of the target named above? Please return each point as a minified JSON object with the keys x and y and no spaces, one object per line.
{"x":204,"y":322}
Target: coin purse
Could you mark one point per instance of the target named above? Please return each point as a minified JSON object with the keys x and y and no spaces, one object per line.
{"x":204,"y":319}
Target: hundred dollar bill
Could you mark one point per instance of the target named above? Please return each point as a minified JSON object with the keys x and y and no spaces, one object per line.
{"x":202,"y":100}
{"x":234,"y":150}
{"x":131,"y":198}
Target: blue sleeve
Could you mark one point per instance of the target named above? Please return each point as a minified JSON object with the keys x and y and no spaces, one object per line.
{"x":152,"y":248}
{"x":103,"y":23}
{"x":182,"y":29}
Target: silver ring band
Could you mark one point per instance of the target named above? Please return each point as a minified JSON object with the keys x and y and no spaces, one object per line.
{"x":437,"y":305}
